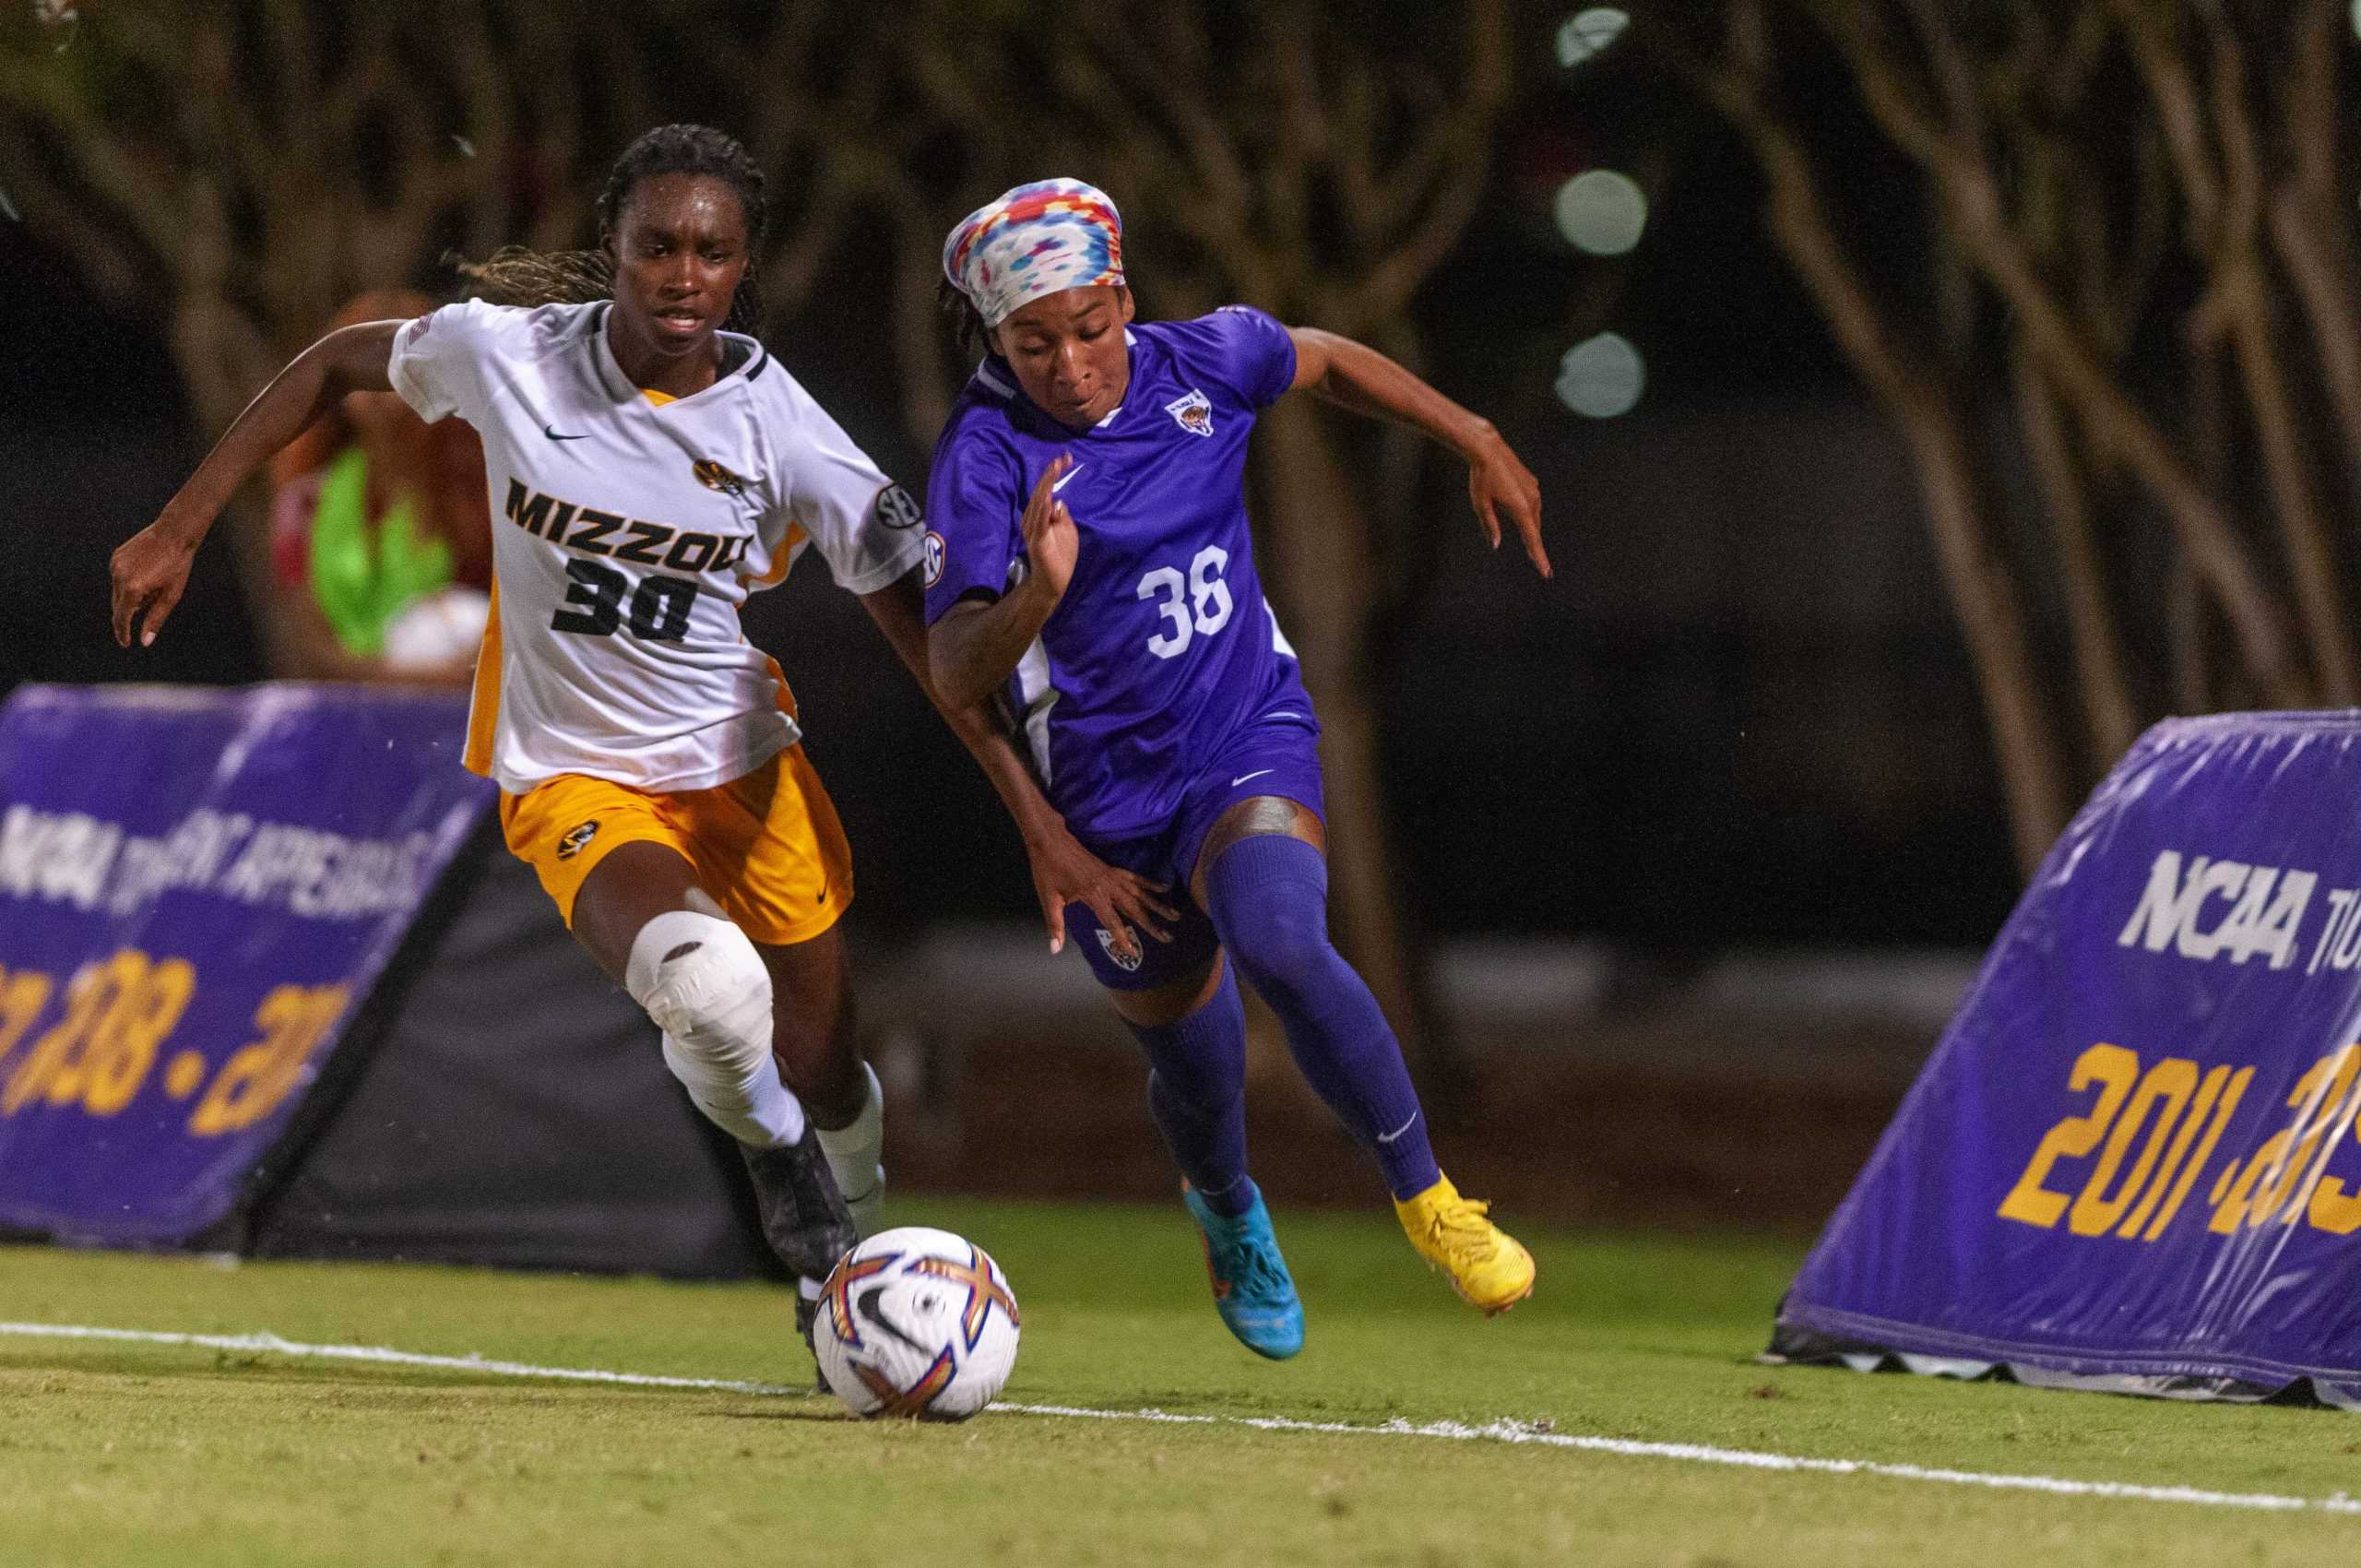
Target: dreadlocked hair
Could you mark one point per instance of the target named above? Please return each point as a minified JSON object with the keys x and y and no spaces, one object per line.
{"x":514,"y":275}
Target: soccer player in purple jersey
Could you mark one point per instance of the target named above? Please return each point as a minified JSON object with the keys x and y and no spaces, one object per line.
{"x":1088,"y":557}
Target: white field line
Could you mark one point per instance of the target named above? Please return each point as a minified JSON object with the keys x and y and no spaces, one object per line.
{"x":1511,"y":1431}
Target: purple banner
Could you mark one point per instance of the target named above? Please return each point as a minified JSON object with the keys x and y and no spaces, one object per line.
{"x":2130,"y":1164}
{"x":197,"y":888}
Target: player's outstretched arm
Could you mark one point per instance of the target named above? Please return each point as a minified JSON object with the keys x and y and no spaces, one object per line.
{"x":1063,"y":872}
{"x":150,"y":568}
{"x":973,"y":650}
{"x":1360,"y":378}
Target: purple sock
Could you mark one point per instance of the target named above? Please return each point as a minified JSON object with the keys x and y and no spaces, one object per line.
{"x":1269,"y":895}
{"x":1196,"y":1091}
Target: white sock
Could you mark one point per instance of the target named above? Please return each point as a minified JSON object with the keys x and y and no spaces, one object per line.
{"x":853,"y":1154}
{"x":757,"y":1110}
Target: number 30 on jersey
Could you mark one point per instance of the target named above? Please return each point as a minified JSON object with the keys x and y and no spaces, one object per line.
{"x":659,"y":604}
{"x":1195,"y":606}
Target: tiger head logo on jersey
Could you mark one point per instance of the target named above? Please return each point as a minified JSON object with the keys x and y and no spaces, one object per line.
{"x":575,"y":837}
{"x":1191,"y":413}
{"x":712,"y":476}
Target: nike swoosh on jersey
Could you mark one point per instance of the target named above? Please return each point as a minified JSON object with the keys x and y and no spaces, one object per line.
{"x":551,"y":430}
{"x":1244,"y":777}
{"x":1059,"y":482}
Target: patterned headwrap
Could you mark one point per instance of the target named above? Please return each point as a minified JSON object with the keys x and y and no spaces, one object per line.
{"x":1032,"y":241}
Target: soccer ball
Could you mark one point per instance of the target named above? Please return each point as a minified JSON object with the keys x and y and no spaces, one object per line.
{"x":919,"y":1323}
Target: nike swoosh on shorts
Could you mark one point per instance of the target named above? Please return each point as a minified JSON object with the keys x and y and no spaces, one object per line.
{"x":1244,"y":777}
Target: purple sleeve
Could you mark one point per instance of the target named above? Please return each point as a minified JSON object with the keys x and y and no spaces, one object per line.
{"x":1244,"y":349}
{"x":973,"y":515}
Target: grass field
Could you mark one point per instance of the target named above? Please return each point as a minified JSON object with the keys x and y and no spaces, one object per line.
{"x":115,"y":1453}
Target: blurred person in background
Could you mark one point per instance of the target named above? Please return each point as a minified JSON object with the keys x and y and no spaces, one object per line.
{"x":380,"y":536}
{"x":650,"y":469}
{"x":1090,"y":557}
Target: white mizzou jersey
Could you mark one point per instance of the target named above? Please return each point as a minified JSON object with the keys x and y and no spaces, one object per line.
{"x":626,"y":534}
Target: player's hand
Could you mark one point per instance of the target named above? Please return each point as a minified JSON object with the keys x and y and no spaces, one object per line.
{"x":1064,"y":872}
{"x":150,"y":570}
{"x":1499,"y":481}
{"x":1051,"y":541}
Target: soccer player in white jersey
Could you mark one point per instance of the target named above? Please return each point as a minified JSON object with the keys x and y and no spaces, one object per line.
{"x":1089,"y":550}
{"x":647,"y":470}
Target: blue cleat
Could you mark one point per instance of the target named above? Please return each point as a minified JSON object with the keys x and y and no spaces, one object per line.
{"x":1251,"y":1290}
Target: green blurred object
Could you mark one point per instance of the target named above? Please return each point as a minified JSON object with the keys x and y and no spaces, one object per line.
{"x":363,"y":577}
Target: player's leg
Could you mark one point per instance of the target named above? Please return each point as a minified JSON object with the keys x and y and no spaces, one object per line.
{"x":1191,"y":1027}
{"x":641,"y":914}
{"x":1192,"y":1031}
{"x":619,"y":870}
{"x":770,"y":845}
{"x":1262,"y":876}
{"x":817,"y":1046}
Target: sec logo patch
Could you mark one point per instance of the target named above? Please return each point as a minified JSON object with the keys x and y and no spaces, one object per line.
{"x":934,"y":553}
{"x":896,"y":509}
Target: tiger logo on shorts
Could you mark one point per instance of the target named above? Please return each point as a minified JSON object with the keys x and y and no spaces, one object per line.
{"x":1127,"y":962}
{"x":570,"y":845}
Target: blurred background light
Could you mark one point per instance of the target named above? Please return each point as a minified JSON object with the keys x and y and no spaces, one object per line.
{"x":1602,"y":211}
{"x":1586,"y":32}
{"x":1601,"y":377}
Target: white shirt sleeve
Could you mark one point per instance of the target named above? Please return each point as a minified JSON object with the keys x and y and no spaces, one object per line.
{"x":438,"y":361}
{"x":865,"y":525}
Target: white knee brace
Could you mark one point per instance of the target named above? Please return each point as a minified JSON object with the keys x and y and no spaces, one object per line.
{"x":704,"y":985}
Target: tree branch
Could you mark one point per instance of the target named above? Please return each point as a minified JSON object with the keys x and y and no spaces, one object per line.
{"x":2116,"y":424}
{"x":1983,"y":604}
{"x":2108,"y":707}
{"x":2180,"y":110}
{"x":2309,"y":226}
{"x":1451,"y":198}
{"x":2246,"y":290}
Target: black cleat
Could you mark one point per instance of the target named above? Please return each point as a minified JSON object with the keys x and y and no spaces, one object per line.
{"x":804,"y":1217}
{"x":807,"y":1316}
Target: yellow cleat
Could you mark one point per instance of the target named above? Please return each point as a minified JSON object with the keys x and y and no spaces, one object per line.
{"x":1484,"y":1263}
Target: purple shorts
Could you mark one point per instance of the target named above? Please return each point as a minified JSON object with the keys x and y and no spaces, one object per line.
{"x":1278,"y":753}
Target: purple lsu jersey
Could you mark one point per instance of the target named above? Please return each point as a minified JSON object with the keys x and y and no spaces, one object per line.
{"x":1163,"y":649}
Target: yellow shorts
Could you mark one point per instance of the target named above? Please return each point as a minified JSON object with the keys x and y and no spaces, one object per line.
{"x":766,"y":846}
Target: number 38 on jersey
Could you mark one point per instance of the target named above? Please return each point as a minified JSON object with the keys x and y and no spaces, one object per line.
{"x":1197,"y":605}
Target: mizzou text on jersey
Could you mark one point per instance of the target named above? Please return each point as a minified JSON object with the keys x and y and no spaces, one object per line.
{"x":628,"y":533}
